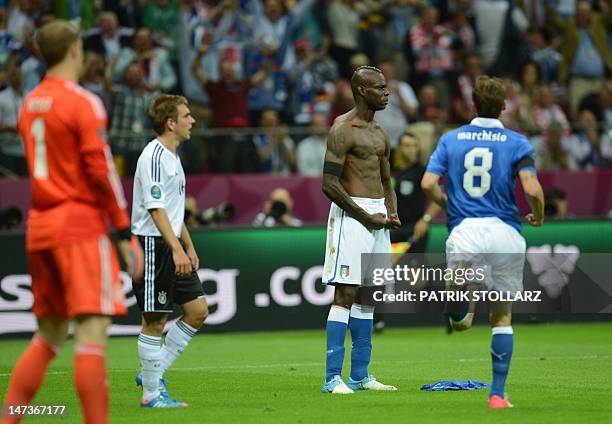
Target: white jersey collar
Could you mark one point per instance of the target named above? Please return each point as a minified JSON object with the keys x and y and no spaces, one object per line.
{"x":156,"y":140}
{"x":487,"y":122}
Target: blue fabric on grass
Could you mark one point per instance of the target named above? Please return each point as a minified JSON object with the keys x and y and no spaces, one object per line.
{"x":455,"y":385}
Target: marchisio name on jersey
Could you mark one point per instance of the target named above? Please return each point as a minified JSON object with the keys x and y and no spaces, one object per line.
{"x":483,"y":135}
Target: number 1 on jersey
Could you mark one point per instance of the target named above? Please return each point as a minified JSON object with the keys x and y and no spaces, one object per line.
{"x":477,"y":170}
{"x":41,"y":170}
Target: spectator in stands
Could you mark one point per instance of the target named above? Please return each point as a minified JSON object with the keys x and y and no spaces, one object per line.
{"x":161,"y":18}
{"x":9,"y":47}
{"x":229,"y":95}
{"x":498,"y":21}
{"x":402,"y":106}
{"x":552,"y":150}
{"x":274,"y":24}
{"x":19,"y":19}
{"x":314,"y":28}
{"x":224,"y":30}
{"x":606,"y":105}
{"x":128,"y":116}
{"x":41,"y":11}
{"x":510,"y":116}
{"x":311,"y":82}
{"x":342,"y":100}
{"x":547,"y":111}
{"x":228,"y":100}
{"x":272,"y":92}
{"x":273,"y":27}
{"x":431,"y":46}
{"x":534,"y":11}
{"x":357,"y":60}
{"x":584,"y":48}
{"x":130,"y":101}
{"x":462,"y":98}
{"x":463,"y":35}
{"x":429,"y":107}
{"x":600,"y":103}
{"x":277,"y":211}
{"x":108,"y":38}
{"x":527,"y":97}
{"x":82,"y":12}
{"x":32,"y":67}
{"x":343,"y":20}
{"x":158,"y":73}
{"x":593,"y":149}
{"x":555,"y":201}
{"x":276,"y":149}
{"x":127,"y":12}
{"x":372,"y":26}
{"x":311,"y":150}
{"x":96,"y":76}
{"x":403,"y":15}
{"x":542,"y":53}
{"x":11,"y":99}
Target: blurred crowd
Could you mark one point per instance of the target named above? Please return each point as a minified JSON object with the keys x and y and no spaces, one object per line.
{"x":266,"y":78}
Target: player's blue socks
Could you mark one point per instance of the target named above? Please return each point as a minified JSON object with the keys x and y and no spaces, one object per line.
{"x":337,"y":322}
{"x":361,"y":324}
{"x":502,"y":344}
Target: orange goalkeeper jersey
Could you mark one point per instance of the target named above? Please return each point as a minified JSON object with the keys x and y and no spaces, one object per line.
{"x":75,"y":188}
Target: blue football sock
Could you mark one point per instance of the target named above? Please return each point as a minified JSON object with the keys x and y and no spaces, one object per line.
{"x":360,"y":324}
{"x":337,"y":322}
{"x":502,"y":344}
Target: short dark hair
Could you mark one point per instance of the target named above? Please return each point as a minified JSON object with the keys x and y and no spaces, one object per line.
{"x":489,"y":95}
{"x":54,"y":39}
{"x":164,"y":107}
{"x":358,"y":78}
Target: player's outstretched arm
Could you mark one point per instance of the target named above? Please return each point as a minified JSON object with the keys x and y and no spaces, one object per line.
{"x":195,"y":65}
{"x":431,"y":186}
{"x":338,"y":145}
{"x":535,"y":197}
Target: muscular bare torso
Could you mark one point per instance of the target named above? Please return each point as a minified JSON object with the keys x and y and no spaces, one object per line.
{"x":361,"y":176}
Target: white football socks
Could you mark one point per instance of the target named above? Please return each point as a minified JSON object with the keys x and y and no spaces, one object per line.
{"x":149,"y":351}
{"x":177,"y":339}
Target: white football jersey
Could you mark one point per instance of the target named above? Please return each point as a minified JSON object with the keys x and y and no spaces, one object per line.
{"x":159,"y":182}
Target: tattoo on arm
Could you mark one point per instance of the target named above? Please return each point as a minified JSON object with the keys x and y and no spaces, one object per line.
{"x":339,"y":144}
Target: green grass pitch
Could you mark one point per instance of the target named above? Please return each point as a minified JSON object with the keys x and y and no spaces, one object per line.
{"x":559,"y":374}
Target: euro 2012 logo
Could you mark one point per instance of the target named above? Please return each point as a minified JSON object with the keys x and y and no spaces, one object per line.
{"x":156,"y":192}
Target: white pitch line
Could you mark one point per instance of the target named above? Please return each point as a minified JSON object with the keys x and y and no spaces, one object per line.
{"x":4,"y":374}
{"x":320,"y":364}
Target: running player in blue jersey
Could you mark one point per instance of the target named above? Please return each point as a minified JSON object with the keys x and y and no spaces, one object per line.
{"x":481,"y":161}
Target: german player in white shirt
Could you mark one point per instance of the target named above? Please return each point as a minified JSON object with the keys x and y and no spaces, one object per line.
{"x":171,"y":261}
